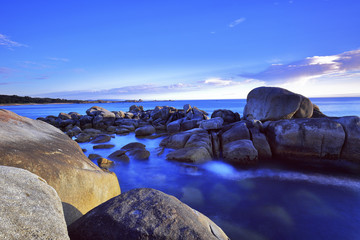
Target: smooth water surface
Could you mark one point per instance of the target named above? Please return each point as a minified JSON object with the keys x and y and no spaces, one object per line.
{"x":270,"y":201}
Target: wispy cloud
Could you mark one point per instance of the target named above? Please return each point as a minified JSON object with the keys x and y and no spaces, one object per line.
{"x":237,"y":22}
{"x":310,"y":67}
{"x":41,"y":77}
{"x":8,"y":43}
{"x":58,"y":59}
{"x":218,"y":82}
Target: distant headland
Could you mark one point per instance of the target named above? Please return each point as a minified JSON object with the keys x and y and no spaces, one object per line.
{"x":18,"y":100}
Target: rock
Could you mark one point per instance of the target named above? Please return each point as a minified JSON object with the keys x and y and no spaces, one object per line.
{"x":227,"y":115}
{"x":47,"y":152}
{"x":101,"y":139}
{"x":317,"y":113}
{"x":129,"y":115}
{"x":119,"y":155}
{"x":92,"y":132}
{"x":131,"y":123}
{"x":212,"y":124}
{"x":103,"y":146}
{"x":122,"y":131}
{"x":260,"y":143}
{"x":272,"y":103}
{"x":215,"y":142}
{"x":136,"y":150}
{"x":86,"y":122}
{"x":102,"y":118}
{"x":93,"y":156}
{"x":240,"y":151}
{"x":83,"y":137}
{"x":190,"y":154}
{"x":64,"y":116}
{"x":200,"y":139}
{"x":176,"y":141}
{"x":111,"y":129}
{"x":104,"y":163}
{"x":351,"y":148}
{"x":306,"y":138}
{"x":30,"y":208}
{"x":76,"y":130}
{"x":238,"y":131}
{"x":145,"y":214}
{"x":189,"y":124}
{"x":145,"y":131}
{"x":187,"y":108}
{"x":175,"y":126}
{"x":135,"y":108}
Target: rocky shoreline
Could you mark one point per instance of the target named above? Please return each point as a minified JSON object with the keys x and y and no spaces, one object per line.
{"x":276,"y":124}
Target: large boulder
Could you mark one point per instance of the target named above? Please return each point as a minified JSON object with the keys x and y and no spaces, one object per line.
{"x":145,"y":214}
{"x":351,"y":148}
{"x":30,"y":208}
{"x":241,"y":152}
{"x":306,"y":139}
{"x":47,"y":152}
{"x":273,"y":103}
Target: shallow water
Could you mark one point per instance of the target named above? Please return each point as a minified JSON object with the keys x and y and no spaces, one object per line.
{"x":270,"y":201}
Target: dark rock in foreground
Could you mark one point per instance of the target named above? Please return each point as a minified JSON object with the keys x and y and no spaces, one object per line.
{"x":145,"y":214}
{"x":30,"y":208}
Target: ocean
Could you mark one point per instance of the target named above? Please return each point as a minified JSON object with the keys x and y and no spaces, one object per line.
{"x":274,"y":200}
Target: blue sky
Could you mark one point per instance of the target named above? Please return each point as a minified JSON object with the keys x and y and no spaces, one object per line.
{"x":198,"y":49}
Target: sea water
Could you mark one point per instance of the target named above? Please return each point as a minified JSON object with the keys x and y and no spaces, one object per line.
{"x":270,"y":201}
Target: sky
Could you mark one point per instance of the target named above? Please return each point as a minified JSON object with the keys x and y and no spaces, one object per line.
{"x":178,"y":49}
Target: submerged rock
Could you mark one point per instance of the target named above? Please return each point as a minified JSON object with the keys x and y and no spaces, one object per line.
{"x":30,"y":208}
{"x":136,"y":150}
{"x":47,"y":152}
{"x":145,"y":214}
{"x":119,"y":155}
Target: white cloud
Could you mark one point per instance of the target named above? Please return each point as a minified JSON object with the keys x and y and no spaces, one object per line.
{"x":218,"y":82}
{"x":6,"y":42}
{"x":236,"y":22}
{"x":309,"y":68}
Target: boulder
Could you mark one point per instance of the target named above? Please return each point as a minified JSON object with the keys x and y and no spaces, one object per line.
{"x":200,"y":139}
{"x":273,"y":103}
{"x":188,"y":124}
{"x":119,"y":155}
{"x":64,"y":116}
{"x":145,"y":131}
{"x":240,"y":151}
{"x":145,"y":214}
{"x":317,"y":113}
{"x":101,"y":139}
{"x":175,"y":126}
{"x":103,"y":146}
{"x":102,"y":118}
{"x":351,"y":148}
{"x":47,"y":152}
{"x":190,"y":154}
{"x":212,"y":124}
{"x":93,"y":156}
{"x":215,"y":142}
{"x":227,"y":115}
{"x":136,"y":150}
{"x":30,"y":208}
{"x":306,"y":139}
{"x":86,"y":122}
{"x":176,"y":141}
{"x":104,"y":163}
{"x":237,"y":132}
{"x":260,"y":143}
{"x":135,"y":108}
